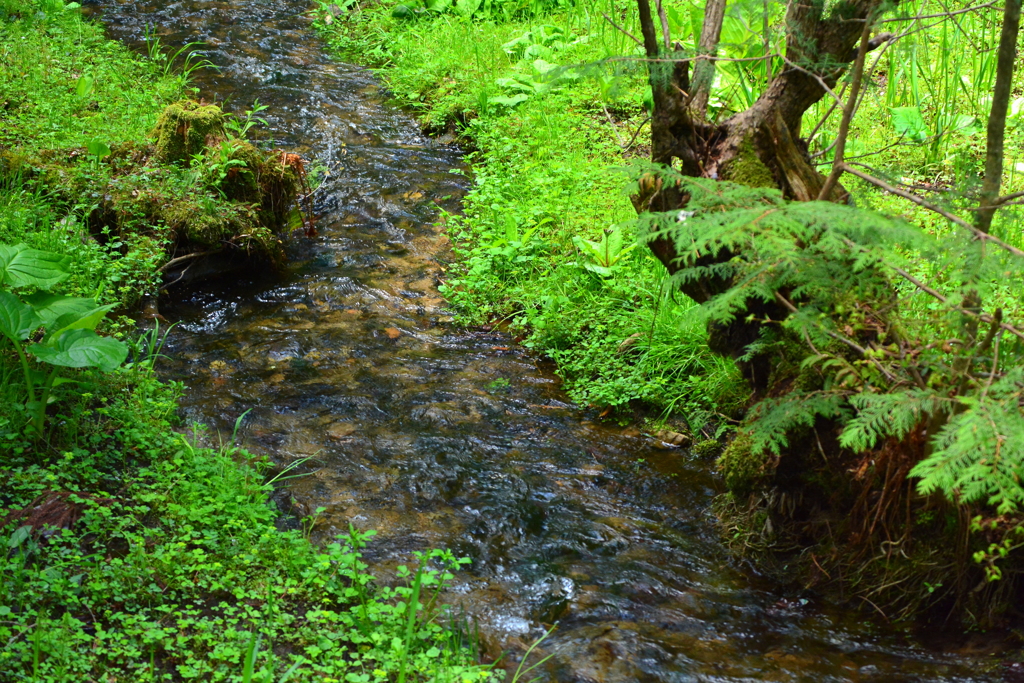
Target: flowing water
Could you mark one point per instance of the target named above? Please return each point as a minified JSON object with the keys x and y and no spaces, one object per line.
{"x":440,"y":436}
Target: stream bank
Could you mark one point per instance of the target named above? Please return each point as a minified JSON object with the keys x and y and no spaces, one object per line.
{"x":440,"y":436}
{"x":130,"y":552}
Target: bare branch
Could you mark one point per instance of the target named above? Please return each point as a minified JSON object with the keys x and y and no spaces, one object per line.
{"x":707,"y":46}
{"x":851,"y":105}
{"x":622,"y":30}
{"x":996,"y":130}
{"x":665,"y":33}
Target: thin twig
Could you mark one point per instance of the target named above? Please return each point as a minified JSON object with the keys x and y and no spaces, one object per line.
{"x":622,"y":30}
{"x":941,"y":15}
{"x":615,"y":131}
{"x":637,"y":133}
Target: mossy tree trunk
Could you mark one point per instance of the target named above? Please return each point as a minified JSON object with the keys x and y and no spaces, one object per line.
{"x":761,"y":145}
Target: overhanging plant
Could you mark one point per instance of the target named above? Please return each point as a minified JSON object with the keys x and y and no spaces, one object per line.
{"x":57,"y":331}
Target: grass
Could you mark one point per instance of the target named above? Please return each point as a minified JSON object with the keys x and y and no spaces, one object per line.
{"x":131,"y":552}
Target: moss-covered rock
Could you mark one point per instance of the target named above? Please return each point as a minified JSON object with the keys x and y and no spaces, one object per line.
{"x":265,"y":181}
{"x":742,"y":468}
{"x":186,"y":128}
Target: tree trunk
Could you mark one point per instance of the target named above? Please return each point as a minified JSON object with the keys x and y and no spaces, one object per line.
{"x":760,"y":146}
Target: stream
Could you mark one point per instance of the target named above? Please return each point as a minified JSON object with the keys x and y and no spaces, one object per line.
{"x":439,"y":436}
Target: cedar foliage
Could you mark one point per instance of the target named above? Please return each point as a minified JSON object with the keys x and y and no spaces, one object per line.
{"x":860,"y":353}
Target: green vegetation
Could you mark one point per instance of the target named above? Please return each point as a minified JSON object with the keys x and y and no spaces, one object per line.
{"x":75,"y":131}
{"x":880,"y":420}
{"x":129,"y":551}
{"x":545,"y":239}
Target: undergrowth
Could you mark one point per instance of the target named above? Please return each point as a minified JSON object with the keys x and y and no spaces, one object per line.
{"x":880,"y":404}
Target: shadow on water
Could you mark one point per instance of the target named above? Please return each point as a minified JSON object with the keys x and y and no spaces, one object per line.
{"x":440,"y":436}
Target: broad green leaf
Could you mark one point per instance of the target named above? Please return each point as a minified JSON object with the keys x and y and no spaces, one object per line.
{"x":98,"y":148}
{"x":403,"y":11}
{"x":600,"y":271}
{"x":83,"y":87}
{"x":21,"y":266}
{"x":19,"y":536}
{"x":511,"y":229}
{"x":591,"y":249}
{"x":508,"y":101}
{"x":908,"y":121}
{"x":438,"y":5}
{"x":83,"y":349}
{"x":84,"y":320}
{"x":536,"y":51}
{"x":614,"y":243}
{"x":467,"y":8}
{"x":517,"y":45}
{"x":51,"y":307}
{"x":17,"y":319}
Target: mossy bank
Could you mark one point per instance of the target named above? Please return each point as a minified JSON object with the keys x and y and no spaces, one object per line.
{"x":130,"y":551}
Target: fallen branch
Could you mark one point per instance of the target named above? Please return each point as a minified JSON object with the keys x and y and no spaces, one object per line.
{"x":187,"y":257}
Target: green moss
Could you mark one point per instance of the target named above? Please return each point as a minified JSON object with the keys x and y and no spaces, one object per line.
{"x":747,"y":169}
{"x":264,"y":182}
{"x":743,"y":469}
{"x":186,"y":128}
{"x":707,"y":448}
